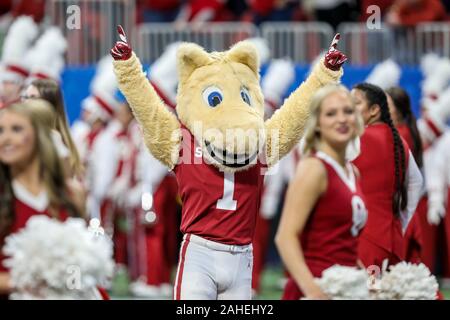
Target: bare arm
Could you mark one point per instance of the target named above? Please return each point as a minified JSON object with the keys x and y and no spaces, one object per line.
{"x":5,"y":285}
{"x":78,"y":195}
{"x":309,"y":182}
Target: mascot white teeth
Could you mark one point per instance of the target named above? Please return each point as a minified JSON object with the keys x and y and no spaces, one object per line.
{"x":218,"y":148}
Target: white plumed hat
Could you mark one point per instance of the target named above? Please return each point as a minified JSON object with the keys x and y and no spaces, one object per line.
{"x":262,"y":47}
{"x":437,"y":81}
{"x":439,"y":110}
{"x":385,"y":74}
{"x":163,"y":74}
{"x":17,"y":42}
{"x":46,"y":57}
{"x":102,"y":102}
{"x":278,"y":78}
{"x":428,"y":63}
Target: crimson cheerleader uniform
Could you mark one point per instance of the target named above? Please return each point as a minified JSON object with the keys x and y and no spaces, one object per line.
{"x":26,"y":205}
{"x":330,"y":233}
{"x":382,"y":238}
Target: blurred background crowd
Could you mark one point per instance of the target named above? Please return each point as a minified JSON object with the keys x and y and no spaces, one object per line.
{"x":396,"y":12}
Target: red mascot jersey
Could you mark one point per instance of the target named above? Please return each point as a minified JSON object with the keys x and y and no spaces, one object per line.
{"x":217,"y":206}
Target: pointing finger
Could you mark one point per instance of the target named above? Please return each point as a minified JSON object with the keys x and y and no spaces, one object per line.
{"x":122,"y":34}
{"x":335,"y":42}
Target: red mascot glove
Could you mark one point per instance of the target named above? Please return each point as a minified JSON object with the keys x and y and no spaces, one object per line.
{"x":334,"y":59}
{"x":121,"y":50}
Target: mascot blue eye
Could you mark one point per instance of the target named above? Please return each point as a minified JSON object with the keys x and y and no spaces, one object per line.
{"x":212,"y":96}
{"x":245,"y":95}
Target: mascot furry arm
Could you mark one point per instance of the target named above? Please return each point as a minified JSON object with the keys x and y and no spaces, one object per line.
{"x":162,"y":130}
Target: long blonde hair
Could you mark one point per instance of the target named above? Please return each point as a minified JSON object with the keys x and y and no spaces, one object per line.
{"x":311,"y":135}
{"x":42,"y":117}
{"x":50,"y":91}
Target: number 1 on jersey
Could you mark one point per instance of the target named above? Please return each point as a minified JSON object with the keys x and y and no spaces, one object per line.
{"x":227,"y":202}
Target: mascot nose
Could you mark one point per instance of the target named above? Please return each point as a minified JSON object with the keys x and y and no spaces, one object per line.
{"x":243,"y":139}
{"x":243,"y":108}
{"x":243,"y":118}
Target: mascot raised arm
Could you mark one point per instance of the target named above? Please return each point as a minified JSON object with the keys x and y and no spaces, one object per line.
{"x":219,"y":148}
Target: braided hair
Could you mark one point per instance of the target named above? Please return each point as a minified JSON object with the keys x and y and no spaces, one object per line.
{"x":402,"y":105}
{"x":376,"y":96}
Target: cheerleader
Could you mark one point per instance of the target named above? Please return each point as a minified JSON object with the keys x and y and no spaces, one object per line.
{"x":320,"y":228}
{"x":390,"y":179}
{"x":32,"y":181}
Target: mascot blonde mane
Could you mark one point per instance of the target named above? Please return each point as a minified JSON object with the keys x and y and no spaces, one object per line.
{"x":220,"y":102}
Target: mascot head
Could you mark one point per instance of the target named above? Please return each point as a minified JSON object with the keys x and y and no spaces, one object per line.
{"x":220,"y":101}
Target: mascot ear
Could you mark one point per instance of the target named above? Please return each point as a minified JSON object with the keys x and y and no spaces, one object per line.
{"x":190,"y":56}
{"x":245,"y":52}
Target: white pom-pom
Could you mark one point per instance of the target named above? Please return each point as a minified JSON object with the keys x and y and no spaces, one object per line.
{"x":407,"y":281}
{"x":345,"y":283}
{"x":52,"y":259}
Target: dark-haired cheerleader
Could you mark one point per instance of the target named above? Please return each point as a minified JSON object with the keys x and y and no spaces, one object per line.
{"x":390,"y":178}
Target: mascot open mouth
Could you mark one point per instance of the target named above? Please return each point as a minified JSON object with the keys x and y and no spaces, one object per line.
{"x":231,"y":160}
